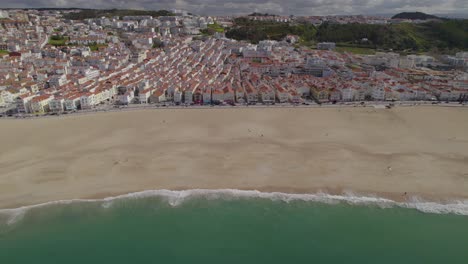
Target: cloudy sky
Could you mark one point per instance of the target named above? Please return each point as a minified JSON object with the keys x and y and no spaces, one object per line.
{"x":286,"y":7}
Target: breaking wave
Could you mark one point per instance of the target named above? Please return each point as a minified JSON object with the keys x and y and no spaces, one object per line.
{"x":176,"y":198}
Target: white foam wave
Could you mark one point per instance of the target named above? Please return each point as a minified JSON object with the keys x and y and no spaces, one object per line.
{"x":175,"y":198}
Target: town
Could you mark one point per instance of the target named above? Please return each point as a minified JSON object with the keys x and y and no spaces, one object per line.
{"x":50,"y":64}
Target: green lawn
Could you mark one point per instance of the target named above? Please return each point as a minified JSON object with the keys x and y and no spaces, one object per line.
{"x":4,"y":52}
{"x":58,"y":41}
{"x":310,"y":44}
{"x":216,"y":27}
{"x":356,"y":50}
{"x":95,"y":47}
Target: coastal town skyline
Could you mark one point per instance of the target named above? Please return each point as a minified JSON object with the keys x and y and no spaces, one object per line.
{"x":58,"y":61}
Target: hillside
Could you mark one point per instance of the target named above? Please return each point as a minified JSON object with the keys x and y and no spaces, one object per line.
{"x":443,"y":36}
{"x":414,"y":16}
{"x":446,"y":35}
{"x":96,"y":13}
{"x":255,"y":31}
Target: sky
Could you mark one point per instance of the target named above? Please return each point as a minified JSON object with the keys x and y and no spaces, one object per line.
{"x":280,"y":7}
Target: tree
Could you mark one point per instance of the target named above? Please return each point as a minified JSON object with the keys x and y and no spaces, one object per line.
{"x":157,"y":43}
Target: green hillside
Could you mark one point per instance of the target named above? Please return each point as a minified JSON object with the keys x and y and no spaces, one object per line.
{"x":255,"y":31}
{"x":414,"y":15}
{"x":446,"y":35}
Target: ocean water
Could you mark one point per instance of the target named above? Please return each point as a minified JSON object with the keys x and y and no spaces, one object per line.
{"x":234,"y":227}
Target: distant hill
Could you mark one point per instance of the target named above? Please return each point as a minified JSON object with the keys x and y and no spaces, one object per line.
{"x":96,"y":13}
{"x":445,"y":35}
{"x":414,"y":16}
{"x":261,"y":14}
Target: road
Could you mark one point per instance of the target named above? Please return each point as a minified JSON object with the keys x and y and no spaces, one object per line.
{"x":134,"y":107}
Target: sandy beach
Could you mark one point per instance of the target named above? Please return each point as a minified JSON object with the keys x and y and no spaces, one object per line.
{"x":420,"y":151}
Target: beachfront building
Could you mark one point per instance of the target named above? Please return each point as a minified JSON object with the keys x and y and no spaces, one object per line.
{"x":144,"y":96}
{"x":197,"y":95}
{"x":422,"y":94}
{"x":239,"y":93}
{"x":303,"y":90}
{"x":87,"y":101}
{"x":40,"y":104}
{"x":57,"y":104}
{"x":125,"y":98}
{"x":228,"y":93}
{"x":266,"y":94}
{"x":449,"y":95}
{"x":73,"y":102}
{"x":294,"y":97}
{"x":334,"y":95}
{"x":348,"y":94}
{"x":250,"y":92}
{"x":188,"y":96}
{"x":320,"y":93}
{"x":378,"y":93}
{"x":177,"y":96}
{"x":282,"y":95}
{"x":154,"y":98}
{"x":217,"y":96}
{"x":206,"y":95}
{"x":23,"y":103}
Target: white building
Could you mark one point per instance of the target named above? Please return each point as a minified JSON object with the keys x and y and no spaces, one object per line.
{"x":57,"y":80}
{"x":91,"y":74}
{"x":177,"y":96}
{"x":266,"y":94}
{"x":23,"y":103}
{"x":188,"y":96}
{"x":326,"y":46}
{"x":144,"y":96}
{"x":240,"y":95}
{"x":378,"y":93}
{"x":126,"y":98}
{"x":87,"y":101}
{"x":3,"y":14}
{"x":56,"y":105}
{"x":72,"y":102}
{"x":40,"y":104}
{"x":348,"y":94}
{"x":281,"y":94}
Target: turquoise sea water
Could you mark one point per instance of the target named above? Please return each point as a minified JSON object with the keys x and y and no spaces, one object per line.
{"x":241,"y":230}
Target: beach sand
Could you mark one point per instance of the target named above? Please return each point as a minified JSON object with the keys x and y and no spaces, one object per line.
{"x":420,"y":151}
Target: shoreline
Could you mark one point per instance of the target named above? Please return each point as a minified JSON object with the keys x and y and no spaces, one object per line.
{"x":422,"y":151}
{"x":394,"y":197}
{"x":177,"y":197}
